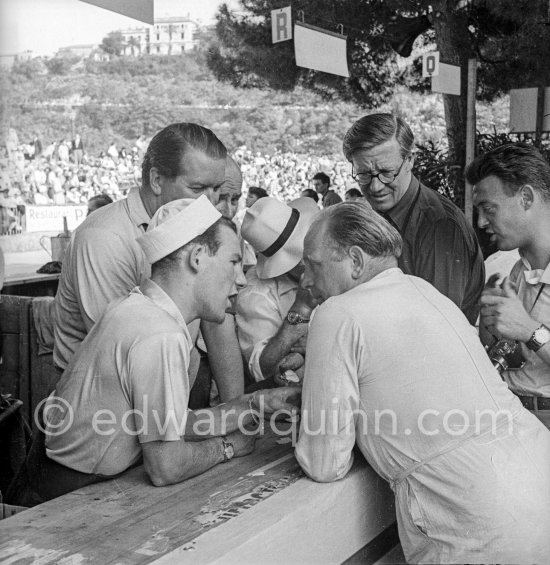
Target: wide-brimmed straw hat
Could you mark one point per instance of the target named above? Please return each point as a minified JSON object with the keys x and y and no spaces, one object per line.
{"x":276,"y":231}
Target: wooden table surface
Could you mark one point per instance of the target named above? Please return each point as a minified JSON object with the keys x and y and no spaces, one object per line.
{"x":255,"y":509}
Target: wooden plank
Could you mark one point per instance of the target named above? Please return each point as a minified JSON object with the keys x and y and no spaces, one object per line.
{"x":24,"y":372}
{"x":10,"y":317}
{"x":263,"y":496}
{"x":470,"y":134}
{"x":307,"y":522}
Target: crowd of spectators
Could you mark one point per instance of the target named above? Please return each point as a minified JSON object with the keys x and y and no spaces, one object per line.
{"x":63,"y":172}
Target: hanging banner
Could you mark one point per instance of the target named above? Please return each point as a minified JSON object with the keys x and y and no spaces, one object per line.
{"x":320,"y":50}
{"x":448,"y":80}
{"x":430,"y":64}
{"x":281,"y":25}
{"x":523,"y":110}
{"x":142,"y":10}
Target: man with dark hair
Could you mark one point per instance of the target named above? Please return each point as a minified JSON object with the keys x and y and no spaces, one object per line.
{"x":321,"y":183}
{"x":353,"y":194}
{"x":104,"y":260}
{"x":438,"y":243}
{"x":512,"y":195}
{"x":254,"y":194}
{"x":98,"y":201}
{"x":310,"y":193}
{"x":394,"y":366}
{"x":126,"y":390}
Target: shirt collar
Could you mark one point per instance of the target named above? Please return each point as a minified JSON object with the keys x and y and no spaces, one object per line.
{"x":535,"y":276}
{"x":399,"y":212}
{"x":153,"y":291}
{"x":285,"y":284}
{"x":137,"y":210}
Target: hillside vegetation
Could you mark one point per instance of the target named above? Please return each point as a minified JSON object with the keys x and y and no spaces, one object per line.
{"x":127,"y":97}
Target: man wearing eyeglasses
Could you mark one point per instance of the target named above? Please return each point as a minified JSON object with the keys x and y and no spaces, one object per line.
{"x":439,"y":245}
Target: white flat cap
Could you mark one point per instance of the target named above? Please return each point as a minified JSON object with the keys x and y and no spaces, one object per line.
{"x":176,"y":224}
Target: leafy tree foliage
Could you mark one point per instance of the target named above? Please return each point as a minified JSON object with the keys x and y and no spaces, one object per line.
{"x":60,"y":65}
{"x":113,"y":43}
{"x":510,"y":38}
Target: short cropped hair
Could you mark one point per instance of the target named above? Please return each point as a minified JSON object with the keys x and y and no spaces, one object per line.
{"x":98,"y":201}
{"x":211,"y":239}
{"x":370,"y":131}
{"x":310,"y":193}
{"x":356,"y":223}
{"x":515,"y":164}
{"x":353,"y":193}
{"x":257,"y":192}
{"x":169,"y":145}
{"x":323,"y":177}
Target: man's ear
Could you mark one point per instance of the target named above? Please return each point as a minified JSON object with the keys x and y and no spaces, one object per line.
{"x":411,"y":161}
{"x":155,"y":180}
{"x":195,"y":257}
{"x":527,"y":195}
{"x":357,"y":257}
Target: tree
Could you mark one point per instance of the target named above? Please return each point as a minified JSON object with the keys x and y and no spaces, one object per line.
{"x":113,"y":43}
{"x":509,"y":38}
{"x":135,"y":46}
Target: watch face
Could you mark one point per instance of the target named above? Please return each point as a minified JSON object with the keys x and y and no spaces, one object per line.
{"x":295,"y":318}
{"x":542,"y":335}
{"x":230,"y":451}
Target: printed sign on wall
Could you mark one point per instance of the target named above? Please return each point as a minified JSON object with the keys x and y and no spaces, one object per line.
{"x":50,"y":218}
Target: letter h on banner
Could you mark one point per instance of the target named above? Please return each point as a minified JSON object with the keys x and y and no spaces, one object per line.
{"x":281,"y":25}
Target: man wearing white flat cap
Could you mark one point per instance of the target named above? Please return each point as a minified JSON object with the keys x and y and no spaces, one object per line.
{"x":124,"y":395}
{"x":272,"y":311}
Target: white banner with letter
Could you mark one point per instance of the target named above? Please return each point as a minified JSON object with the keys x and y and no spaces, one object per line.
{"x":320,"y":50}
{"x":50,"y":218}
{"x":281,"y":25}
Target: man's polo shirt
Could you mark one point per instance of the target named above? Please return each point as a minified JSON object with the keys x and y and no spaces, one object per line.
{"x":262,"y":307}
{"x":128,"y":384}
{"x":533,"y":287}
{"x":102,"y":262}
{"x":440,"y":246}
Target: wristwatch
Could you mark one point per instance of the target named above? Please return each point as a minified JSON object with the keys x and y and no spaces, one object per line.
{"x":540,"y":337}
{"x":293,"y":318}
{"x":228,"y":451}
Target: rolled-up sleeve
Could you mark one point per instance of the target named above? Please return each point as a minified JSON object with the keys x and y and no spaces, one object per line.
{"x":330,"y":396}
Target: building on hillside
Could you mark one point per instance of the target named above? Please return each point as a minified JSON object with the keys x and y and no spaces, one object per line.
{"x":82,"y":51}
{"x":168,"y":36}
{"x":7,"y":61}
{"x":88,"y":51}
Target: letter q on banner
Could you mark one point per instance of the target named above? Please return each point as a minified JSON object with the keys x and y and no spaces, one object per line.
{"x":281,"y":25}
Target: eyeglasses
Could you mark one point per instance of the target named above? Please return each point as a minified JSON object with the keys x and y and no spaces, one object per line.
{"x":365,"y":179}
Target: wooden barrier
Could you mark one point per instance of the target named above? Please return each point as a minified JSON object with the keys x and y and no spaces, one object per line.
{"x":23,"y":373}
{"x":255,"y":509}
